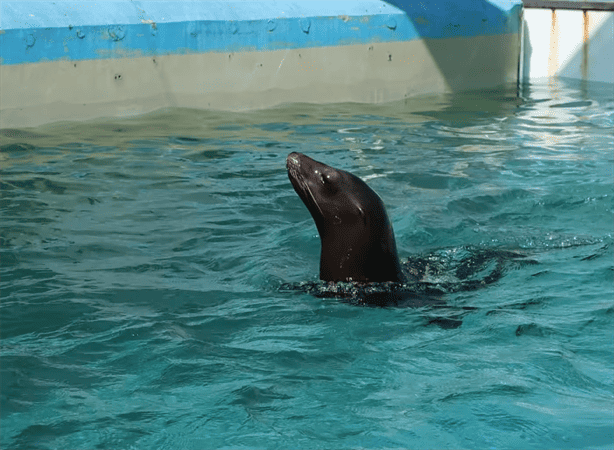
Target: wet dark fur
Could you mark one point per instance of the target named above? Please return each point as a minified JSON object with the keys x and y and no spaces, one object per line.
{"x":358,"y":259}
{"x":357,"y":238}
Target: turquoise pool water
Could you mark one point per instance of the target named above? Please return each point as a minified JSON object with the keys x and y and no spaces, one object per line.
{"x":142,"y":259}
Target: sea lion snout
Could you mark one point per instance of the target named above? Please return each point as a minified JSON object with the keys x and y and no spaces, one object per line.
{"x":293,"y":161}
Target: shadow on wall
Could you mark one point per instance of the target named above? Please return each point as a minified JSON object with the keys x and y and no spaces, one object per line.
{"x":478,"y":59}
{"x":526,"y":54}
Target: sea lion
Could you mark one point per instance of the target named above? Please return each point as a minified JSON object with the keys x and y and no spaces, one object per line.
{"x":356,"y":235}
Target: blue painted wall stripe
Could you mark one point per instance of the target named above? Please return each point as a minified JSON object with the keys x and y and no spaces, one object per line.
{"x":49,"y":31}
{"x":41,"y":14}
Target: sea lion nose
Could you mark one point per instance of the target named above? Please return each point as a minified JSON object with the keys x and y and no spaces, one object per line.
{"x":293,"y":160}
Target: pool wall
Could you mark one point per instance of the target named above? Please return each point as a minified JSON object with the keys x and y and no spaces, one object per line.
{"x":568,"y":39}
{"x":80,"y":60}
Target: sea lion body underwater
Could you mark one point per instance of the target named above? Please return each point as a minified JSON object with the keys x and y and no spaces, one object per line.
{"x":356,"y":235}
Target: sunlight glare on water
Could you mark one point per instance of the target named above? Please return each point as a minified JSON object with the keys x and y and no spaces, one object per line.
{"x":142,"y":259}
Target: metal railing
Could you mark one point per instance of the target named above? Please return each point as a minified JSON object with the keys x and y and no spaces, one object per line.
{"x":570,"y":4}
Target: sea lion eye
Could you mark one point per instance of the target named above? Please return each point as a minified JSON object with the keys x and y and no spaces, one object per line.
{"x":328,"y":177}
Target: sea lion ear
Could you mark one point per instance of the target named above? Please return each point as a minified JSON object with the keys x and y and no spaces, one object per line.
{"x":363,"y":216}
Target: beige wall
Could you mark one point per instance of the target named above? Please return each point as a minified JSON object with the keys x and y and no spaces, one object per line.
{"x":33,"y":94}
